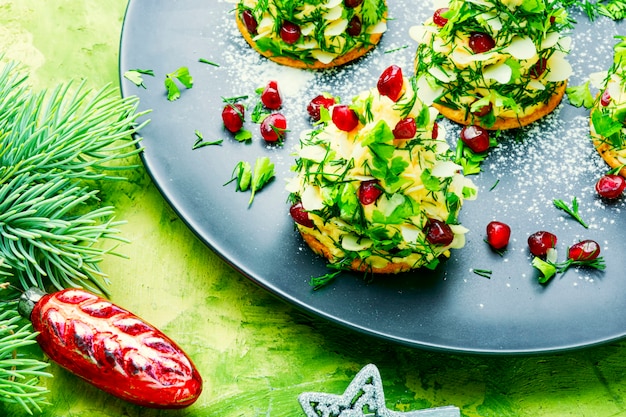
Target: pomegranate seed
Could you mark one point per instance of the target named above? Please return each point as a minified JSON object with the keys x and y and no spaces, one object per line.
{"x":369,"y":191}
{"x":610,"y":186}
{"x":351,"y":4}
{"x":476,"y":138}
{"x":438,"y":19}
{"x":300,"y":215}
{"x":539,"y":68}
{"x":271,"y":96}
{"x":605,"y":100}
{"x":290,"y":32}
{"x":439,"y":233}
{"x":391,"y":82}
{"x":405,"y":129}
{"x":354,"y":26}
{"x":481,"y":42}
{"x":498,"y":234}
{"x":587,"y":250}
{"x":232,"y":116}
{"x":249,"y":21}
{"x":483,"y":111}
{"x":274,"y":127}
{"x":540,"y":242}
{"x":313,"y":108}
{"x":345,"y":118}
{"x":435,"y":130}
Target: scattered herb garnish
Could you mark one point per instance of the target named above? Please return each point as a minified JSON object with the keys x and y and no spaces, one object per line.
{"x":135,"y":76}
{"x":614,"y":9}
{"x":263,"y":174}
{"x":580,"y":95}
{"x":246,"y":179}
{"x":389,"y":51}
{"x":606,"y":126}
{"x":495,"y":184}
{"x":549,"y":268}
{"x":616,"y":170}
{"x":259,"y":113}
{"x":321,"y":281}
{"x":243,"y":135}
{"x":242,"y":173}
{"x":183,"y":76}
{"x":200,"y":142}
{"x":469,"y":160}
{"x":573,"y":211}
{"x":234,"y":99}
{"x":485,"y":273}
{"x":206,"y":61}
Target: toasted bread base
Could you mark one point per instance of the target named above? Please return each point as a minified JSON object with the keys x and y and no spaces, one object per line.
{"x":504,"y":123}
{"x":358,"y":265}
{"x":291,"y":62}
{"x":606,"y":151}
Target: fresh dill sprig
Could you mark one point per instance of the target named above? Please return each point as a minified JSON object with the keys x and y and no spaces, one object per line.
{"x":572,"y":211}
{"x":549,"y":268}
{"x":200,"y":142}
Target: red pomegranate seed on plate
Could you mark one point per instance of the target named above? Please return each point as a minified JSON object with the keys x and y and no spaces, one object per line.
{"x":610,"y":186}
{"x":274,"y":127}
{"x":271,"y":97}
{"x":498,"y":234}
{"x":587,"y":250}
{"x":540,"y":242}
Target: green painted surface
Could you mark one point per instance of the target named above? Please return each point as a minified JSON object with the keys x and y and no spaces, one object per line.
{"x":255,"y":352}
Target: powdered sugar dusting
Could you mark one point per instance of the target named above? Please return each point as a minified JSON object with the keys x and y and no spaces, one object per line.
{"x":552,"y":161}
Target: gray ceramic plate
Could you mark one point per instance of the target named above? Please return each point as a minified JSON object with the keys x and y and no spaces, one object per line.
{"x":451,"y":309}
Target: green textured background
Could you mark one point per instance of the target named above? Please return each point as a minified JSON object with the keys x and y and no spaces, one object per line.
{"x":256,"y":353}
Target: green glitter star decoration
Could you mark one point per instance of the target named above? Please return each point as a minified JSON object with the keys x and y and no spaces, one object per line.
{"x":364,"y":397}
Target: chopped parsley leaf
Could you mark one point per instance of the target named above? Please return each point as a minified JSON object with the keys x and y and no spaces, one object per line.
{"x":183,"y":76}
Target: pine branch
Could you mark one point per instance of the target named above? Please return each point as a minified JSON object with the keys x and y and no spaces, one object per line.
{"x":49,"y":232}
{"x":53,"y":146}
{"x":76,"y":134}
{"x":19,"y":375}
